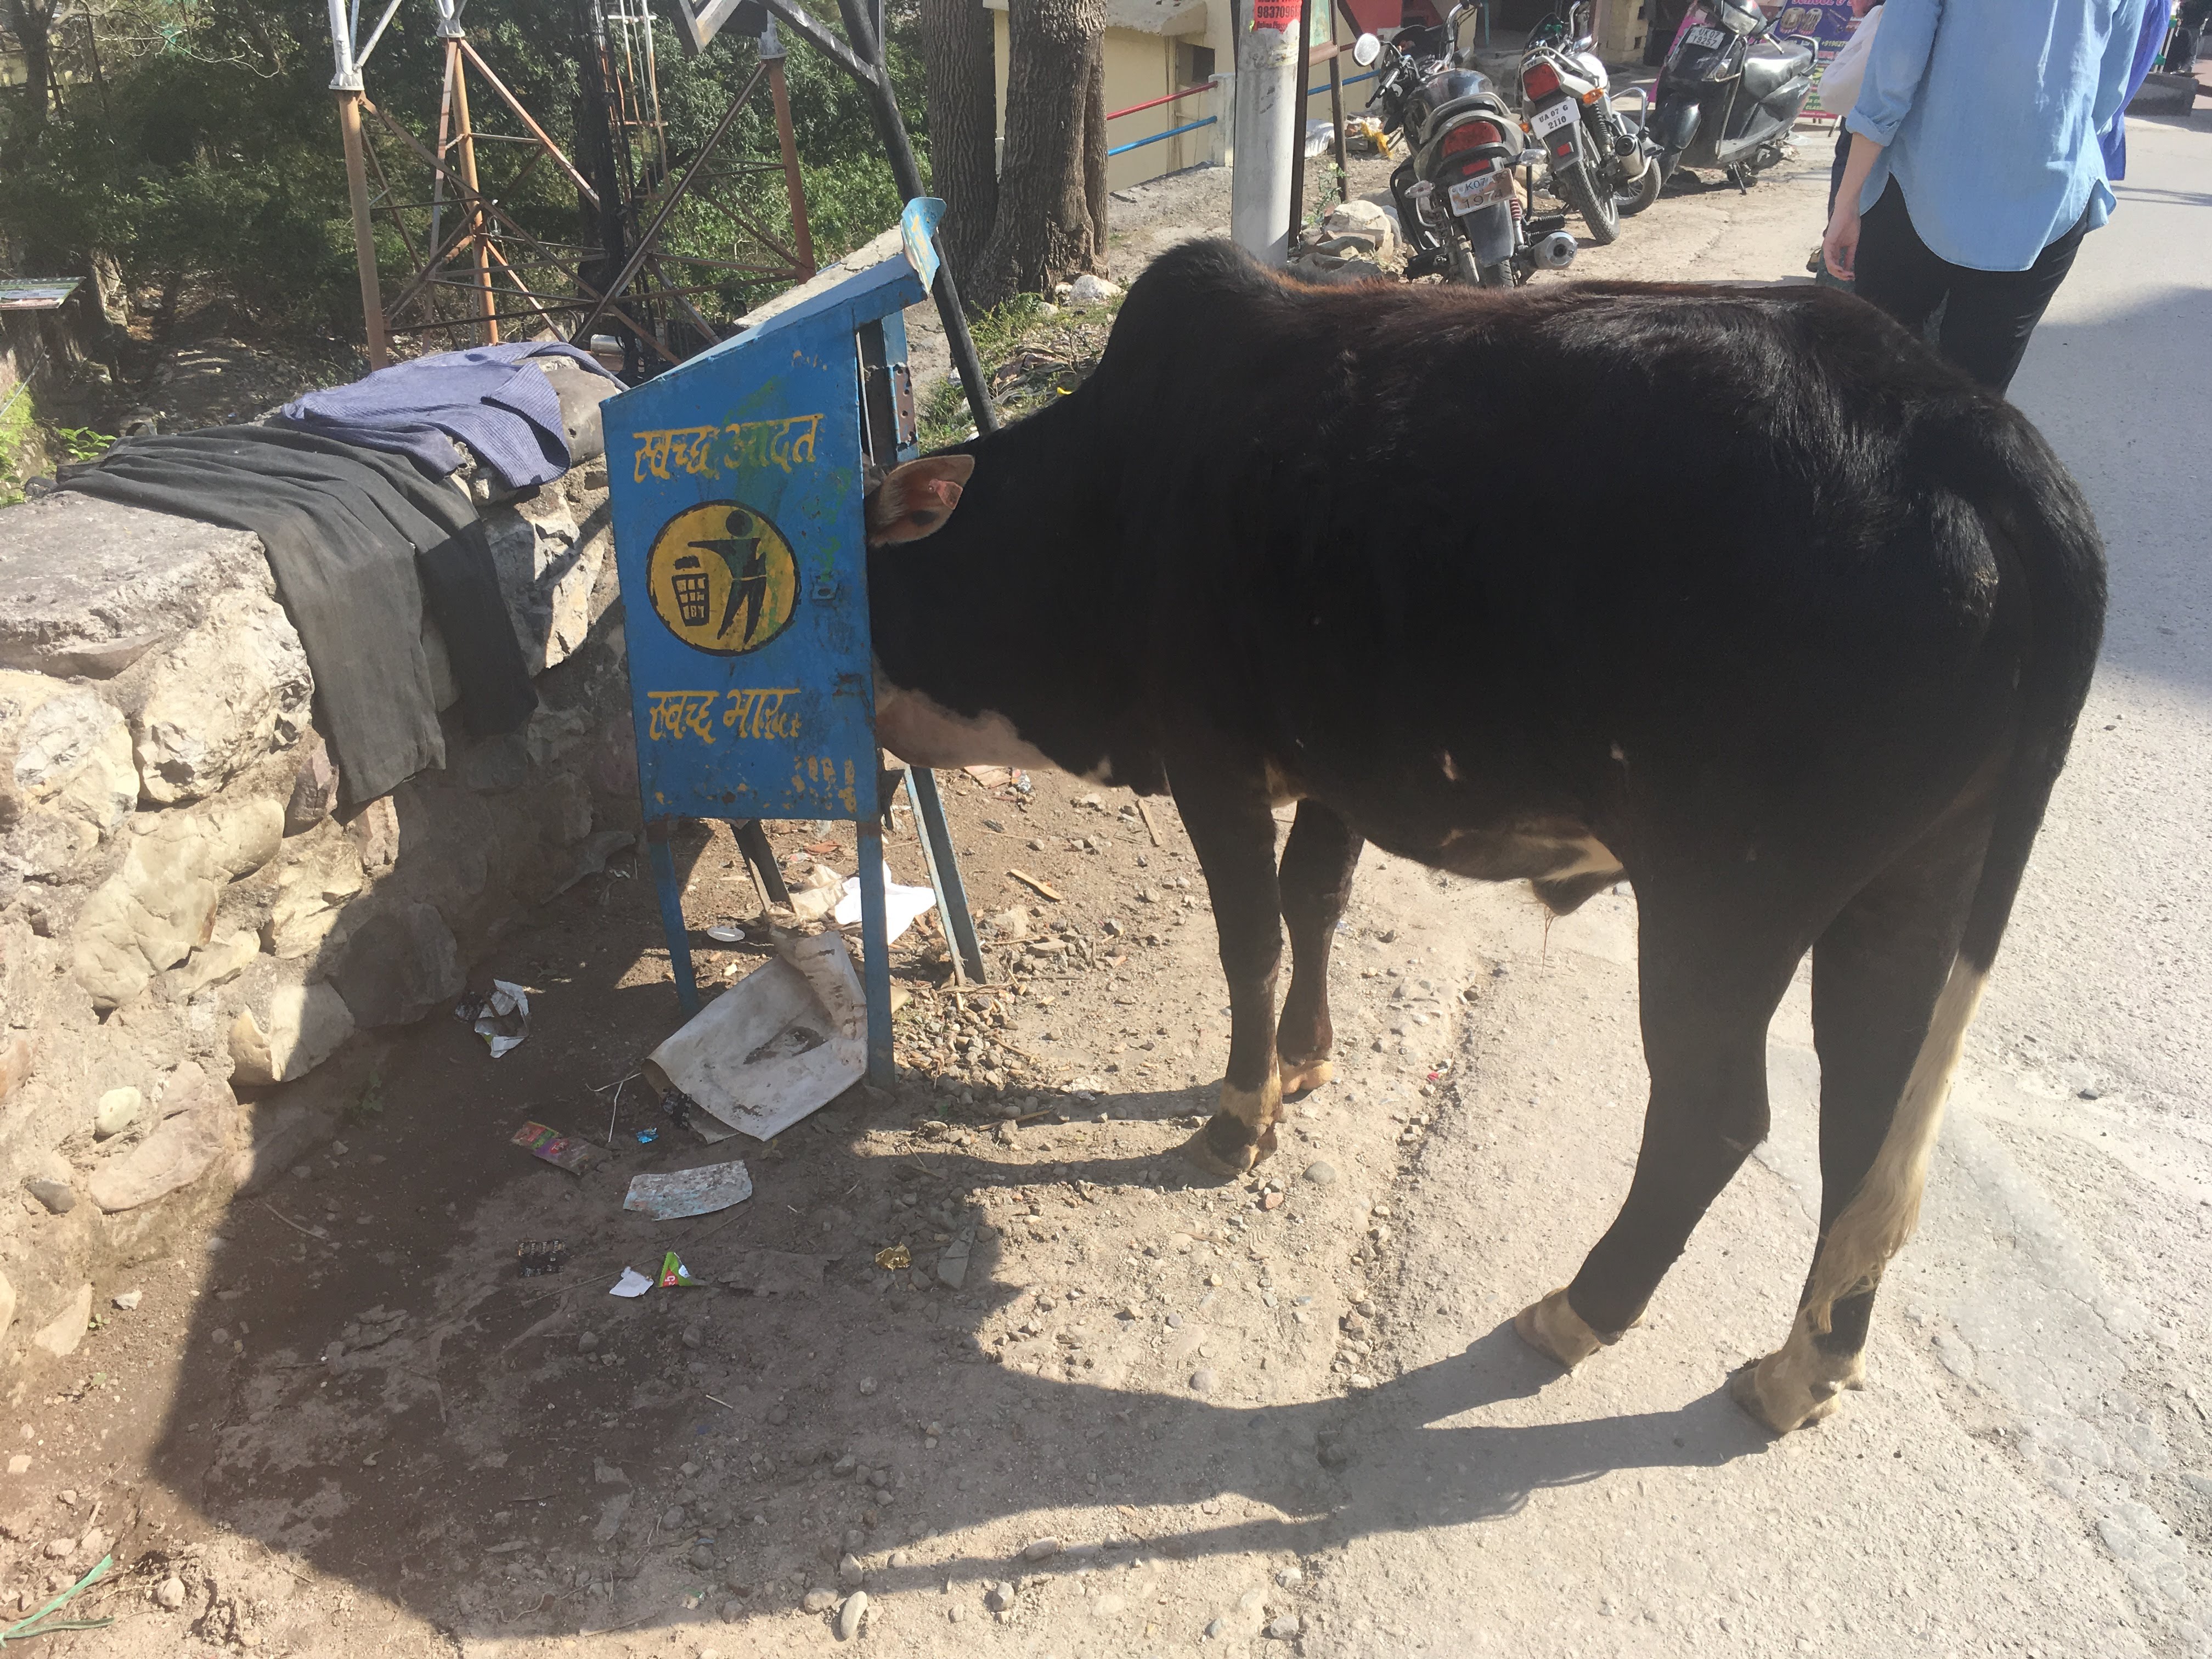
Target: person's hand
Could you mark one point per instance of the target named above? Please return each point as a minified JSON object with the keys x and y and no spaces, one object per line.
{"x":1839,"y":246}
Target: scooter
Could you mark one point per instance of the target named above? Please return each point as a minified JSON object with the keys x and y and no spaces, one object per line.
{"x":1729,"y":94}
{"x":1454,"y":191}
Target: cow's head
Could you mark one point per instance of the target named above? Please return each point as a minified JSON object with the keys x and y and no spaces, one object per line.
{"x":915,"y":498}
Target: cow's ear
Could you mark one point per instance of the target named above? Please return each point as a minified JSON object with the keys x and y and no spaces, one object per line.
{"x":913,"y":499}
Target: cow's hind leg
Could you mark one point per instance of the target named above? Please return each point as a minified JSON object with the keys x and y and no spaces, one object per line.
{"x":1710,"y":975}
{"x":1316,"y":880}
{"x":1225,"y":807}
{"x":1891,"y":1002}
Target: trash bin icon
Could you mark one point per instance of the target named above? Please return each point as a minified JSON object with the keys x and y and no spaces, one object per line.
{"x":689,"y":581}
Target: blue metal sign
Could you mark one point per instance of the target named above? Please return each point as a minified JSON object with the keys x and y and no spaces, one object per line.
{"x":738,"y":487}
{"x":737,"y":492}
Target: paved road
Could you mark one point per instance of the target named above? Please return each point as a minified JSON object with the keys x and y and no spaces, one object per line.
{"x":2030,"y":1469}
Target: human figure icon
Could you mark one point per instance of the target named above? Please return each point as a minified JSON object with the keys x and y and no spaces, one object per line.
{"x":742,"y":551}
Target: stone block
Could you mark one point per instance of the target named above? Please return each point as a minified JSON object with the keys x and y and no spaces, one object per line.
{"x":303,"y":1026}
{"x":398,"y":965}
{"x":65,"y":773}
{"x":195,"y":1130}
{"x":116,"y":1111}
{"x":219,"y":698}
{"x":581,"y":391}
{"x":321,"y":870}
{"x":60,"y":1335}
{"x":221,"y":959}
{"x":280,"y":1139}
{"x":87,"y":587}
{"x":315,"y":786}
{"x":495,"y":765}
{"x":546,"y":573}
{"x":14,"y":1063}
{"x":160,"y":903}
{"x":374,"y":832}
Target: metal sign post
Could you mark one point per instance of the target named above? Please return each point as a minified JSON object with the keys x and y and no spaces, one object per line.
{"x":737,"y":485}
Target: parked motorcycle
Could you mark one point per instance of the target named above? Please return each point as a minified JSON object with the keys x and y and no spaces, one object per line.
{"x":1456,"y":194}
{"x":1599,"y":167}
{"x":1730,"y":93}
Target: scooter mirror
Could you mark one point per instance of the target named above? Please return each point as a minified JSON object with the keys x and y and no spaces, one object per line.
{"x":1365,"y":50}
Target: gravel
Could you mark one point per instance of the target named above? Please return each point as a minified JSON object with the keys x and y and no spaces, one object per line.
{"x":1201,"y":1380}
{"x":1040,"y":1549}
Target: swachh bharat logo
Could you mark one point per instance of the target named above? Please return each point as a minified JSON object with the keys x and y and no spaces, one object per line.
{"x":723,"y":579}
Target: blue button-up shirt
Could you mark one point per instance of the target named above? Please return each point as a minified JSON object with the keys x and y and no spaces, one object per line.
{"x":1991,"y":111}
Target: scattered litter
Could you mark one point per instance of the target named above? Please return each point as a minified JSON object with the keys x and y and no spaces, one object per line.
{"x":24,"y":1629}
{"x":727,"y":932}
{"x":901,"y":906}
{"x":690,"y":1192}
{"x":536,"y":1257}
{"x":1152,"y":828}
{"x":130,"y":1300}
{"x":673,"y":1273}
{"x":562,"y":1152}
{"x":782,"y":1042}
{"x":632,"y":1283}
{"x":679,"y":1106}
{"x":895,"y":1257}
{"x":1031,"y":882}
{"x":646,"y":1137}
{"x":502,"y":1019}
{"x":815,"y":894}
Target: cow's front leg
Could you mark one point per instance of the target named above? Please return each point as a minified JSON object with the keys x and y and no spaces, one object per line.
{"x":1315,"y":882}
{"x":1225,"y":807}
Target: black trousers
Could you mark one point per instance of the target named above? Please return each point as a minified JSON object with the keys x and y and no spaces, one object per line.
{"x":1987,"y":315}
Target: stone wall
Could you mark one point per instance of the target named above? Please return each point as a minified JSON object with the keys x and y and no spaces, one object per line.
{"x":187,"y":921}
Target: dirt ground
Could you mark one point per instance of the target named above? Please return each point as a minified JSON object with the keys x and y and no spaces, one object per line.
{"x":349,"y":1422}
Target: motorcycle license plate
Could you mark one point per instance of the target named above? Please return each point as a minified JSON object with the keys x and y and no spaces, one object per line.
{"x":1469,"y":194}
{"x":1552,"y":117}
{"x":1703,"y":36}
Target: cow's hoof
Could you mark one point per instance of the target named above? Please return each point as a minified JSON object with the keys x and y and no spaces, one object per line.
{"x":1302,"y":1076}
{"x":1557,"y":1331}
{"x":1796,"y":1386}
{"x":1222,"y":1149}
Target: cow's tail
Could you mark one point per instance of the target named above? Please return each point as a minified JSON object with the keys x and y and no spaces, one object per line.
{"x":2045,"y":540}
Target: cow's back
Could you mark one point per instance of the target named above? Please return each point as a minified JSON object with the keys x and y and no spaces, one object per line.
{"x":1485,"y":519}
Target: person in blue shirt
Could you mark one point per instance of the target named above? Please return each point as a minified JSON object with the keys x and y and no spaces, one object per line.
{"x":1976,"y":165}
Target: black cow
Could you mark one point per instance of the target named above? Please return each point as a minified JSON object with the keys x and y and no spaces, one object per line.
{"x":1738,"y":593}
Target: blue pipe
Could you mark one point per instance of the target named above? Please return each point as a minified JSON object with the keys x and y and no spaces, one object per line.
{"x":1139,"y":143}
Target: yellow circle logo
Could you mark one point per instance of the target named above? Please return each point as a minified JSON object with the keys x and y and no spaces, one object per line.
{"x":723,"y":579}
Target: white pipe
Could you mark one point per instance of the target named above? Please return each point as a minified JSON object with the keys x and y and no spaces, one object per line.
{"x":1266,"y":110}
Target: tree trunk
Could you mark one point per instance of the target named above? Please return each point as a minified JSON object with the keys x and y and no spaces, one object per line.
{"x":1094,"y":153}
{"x":962,"y":101}
{"x":31,"y":22}
{"x":1047,"y":229}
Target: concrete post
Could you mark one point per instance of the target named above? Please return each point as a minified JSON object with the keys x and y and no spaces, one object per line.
{"x":1268,"y":66}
